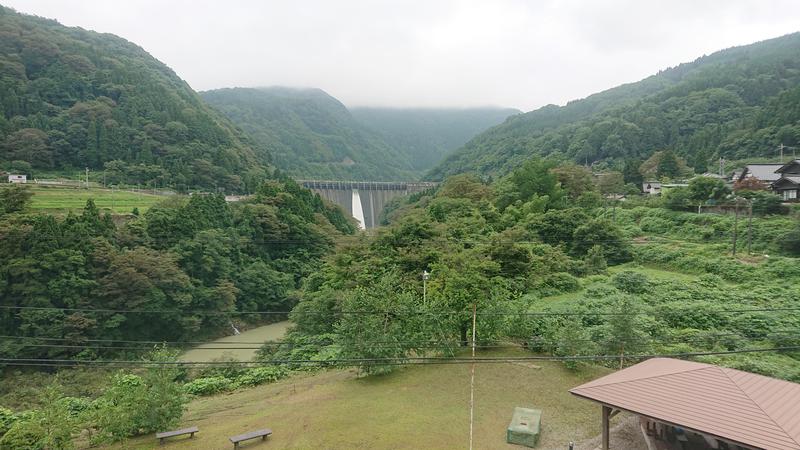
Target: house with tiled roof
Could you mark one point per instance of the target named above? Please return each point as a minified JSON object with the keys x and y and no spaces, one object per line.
{"x":788,"y":184}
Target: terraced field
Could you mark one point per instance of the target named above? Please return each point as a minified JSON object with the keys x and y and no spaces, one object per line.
{"x":64,"y":199}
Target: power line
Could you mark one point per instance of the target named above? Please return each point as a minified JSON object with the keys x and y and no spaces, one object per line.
{"x":448,"y":345}
{"x":396,"y":313}
{"x":392,"y":361}
{"x":699,"y":334}
{"x":398,"y":346}
{"x":702,"y":334}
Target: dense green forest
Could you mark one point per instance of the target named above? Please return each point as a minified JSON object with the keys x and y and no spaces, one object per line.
{"x":427,"y":135}
{"x":310,"y":134}
{"x":554,"y":267}
{"x":73,"y":98}
{"x":201,"y":261}
{"x":737,"y":103}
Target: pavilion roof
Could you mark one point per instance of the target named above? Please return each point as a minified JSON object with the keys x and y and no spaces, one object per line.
{"x":733,"y":405}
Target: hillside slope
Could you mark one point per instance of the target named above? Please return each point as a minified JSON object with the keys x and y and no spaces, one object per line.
{"x":310,"y":134}
{"x":427,"y":135}
{"x":736,"y":103}
{"x":72,"y":98}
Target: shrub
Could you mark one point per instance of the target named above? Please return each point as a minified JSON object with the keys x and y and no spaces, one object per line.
{"x":790,"y":242}
{"x":557,"y":283}
{"x":572,"y":339}
{"x":230,"y":371}
{"x":141,"y":404}
{"x":677,"y":199}
{"x":209,"y":385}
{"x":7,"y":420}
{"x":51,"y":427}
{"x":595,"y":263}
{"x":261,"y":375}
{"x":764,"y":203}
{"x":600,"y":291}
{"x":75,"y":406}
{"x":630,"y":282}
{"x":605,"y":234}
{"x":655,"y":225}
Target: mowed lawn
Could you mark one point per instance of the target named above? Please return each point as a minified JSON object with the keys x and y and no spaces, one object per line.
{"x":417,"y":407}
{"x":63,"y":199}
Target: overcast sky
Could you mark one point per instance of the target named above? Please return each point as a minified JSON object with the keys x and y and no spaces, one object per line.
{"x":522,"y":54}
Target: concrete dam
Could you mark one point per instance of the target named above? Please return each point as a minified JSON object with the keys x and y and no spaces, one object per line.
{"x":364,"y":200}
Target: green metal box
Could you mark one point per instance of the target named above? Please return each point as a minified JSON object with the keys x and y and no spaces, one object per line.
{"x":525,"y":427}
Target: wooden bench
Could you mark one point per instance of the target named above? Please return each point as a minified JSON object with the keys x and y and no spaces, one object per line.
{"x":167,"y":434}
{"x":251,"y":435}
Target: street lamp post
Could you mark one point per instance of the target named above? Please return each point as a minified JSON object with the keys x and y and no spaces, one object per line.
{"x":425,"y":276}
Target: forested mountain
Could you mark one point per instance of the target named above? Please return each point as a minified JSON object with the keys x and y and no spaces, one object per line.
{"x":311,"y":134}
{"x":206,"y":260}
{"x":427,"y":135}
{"x":73,"y":98}
{"x":737,"y":103}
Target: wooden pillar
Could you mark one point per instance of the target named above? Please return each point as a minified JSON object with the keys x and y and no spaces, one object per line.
{"x":606,"y":415}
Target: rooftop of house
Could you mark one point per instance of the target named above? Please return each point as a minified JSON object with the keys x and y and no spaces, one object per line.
{"x":764,"y":172}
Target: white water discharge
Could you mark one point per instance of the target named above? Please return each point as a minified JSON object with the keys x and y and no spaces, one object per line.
{"x":358,"y":211}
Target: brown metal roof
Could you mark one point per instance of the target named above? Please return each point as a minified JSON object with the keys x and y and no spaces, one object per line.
{"x":742,"y":407}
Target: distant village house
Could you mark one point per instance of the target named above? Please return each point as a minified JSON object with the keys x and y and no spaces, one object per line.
{"x":14,"y":178}
{"x":782,"y":179}
{"x":651,"y":187}
{"x":763,"y":172}
{"x":788,"y":185}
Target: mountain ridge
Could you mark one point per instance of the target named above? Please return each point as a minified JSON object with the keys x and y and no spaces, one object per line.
{"x":311,"y":134}
{"x":74,"y":98}
{"x":717,"y":105}
{"x":428,"y":134}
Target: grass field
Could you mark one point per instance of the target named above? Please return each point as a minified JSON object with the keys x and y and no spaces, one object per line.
{"x":63,"y":199}
{"x":231,"y":345}
{"x":423,"y":406}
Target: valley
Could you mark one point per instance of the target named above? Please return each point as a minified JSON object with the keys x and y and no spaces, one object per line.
{"x":356,"y":274}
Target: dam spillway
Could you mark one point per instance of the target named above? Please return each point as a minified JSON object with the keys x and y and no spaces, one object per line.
{"x":364,"y":200}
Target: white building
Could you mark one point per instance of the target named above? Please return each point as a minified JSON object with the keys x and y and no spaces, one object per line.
{"x":651,"y":187}
{"x":13,"y":178}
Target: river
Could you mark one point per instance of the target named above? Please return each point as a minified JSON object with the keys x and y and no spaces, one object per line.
{"x":242,"y":346}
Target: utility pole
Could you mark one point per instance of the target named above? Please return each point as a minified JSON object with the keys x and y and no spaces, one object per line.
{"x":722,"y":167}
{"x":749,"y":225}
{"x":735,"y":224}
{"x":472,"y":374}
{"x":87,"y":178}
{"x":781,"y":148}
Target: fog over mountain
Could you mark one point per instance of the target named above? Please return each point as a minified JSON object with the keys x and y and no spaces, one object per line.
{"x":448,"y":53}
